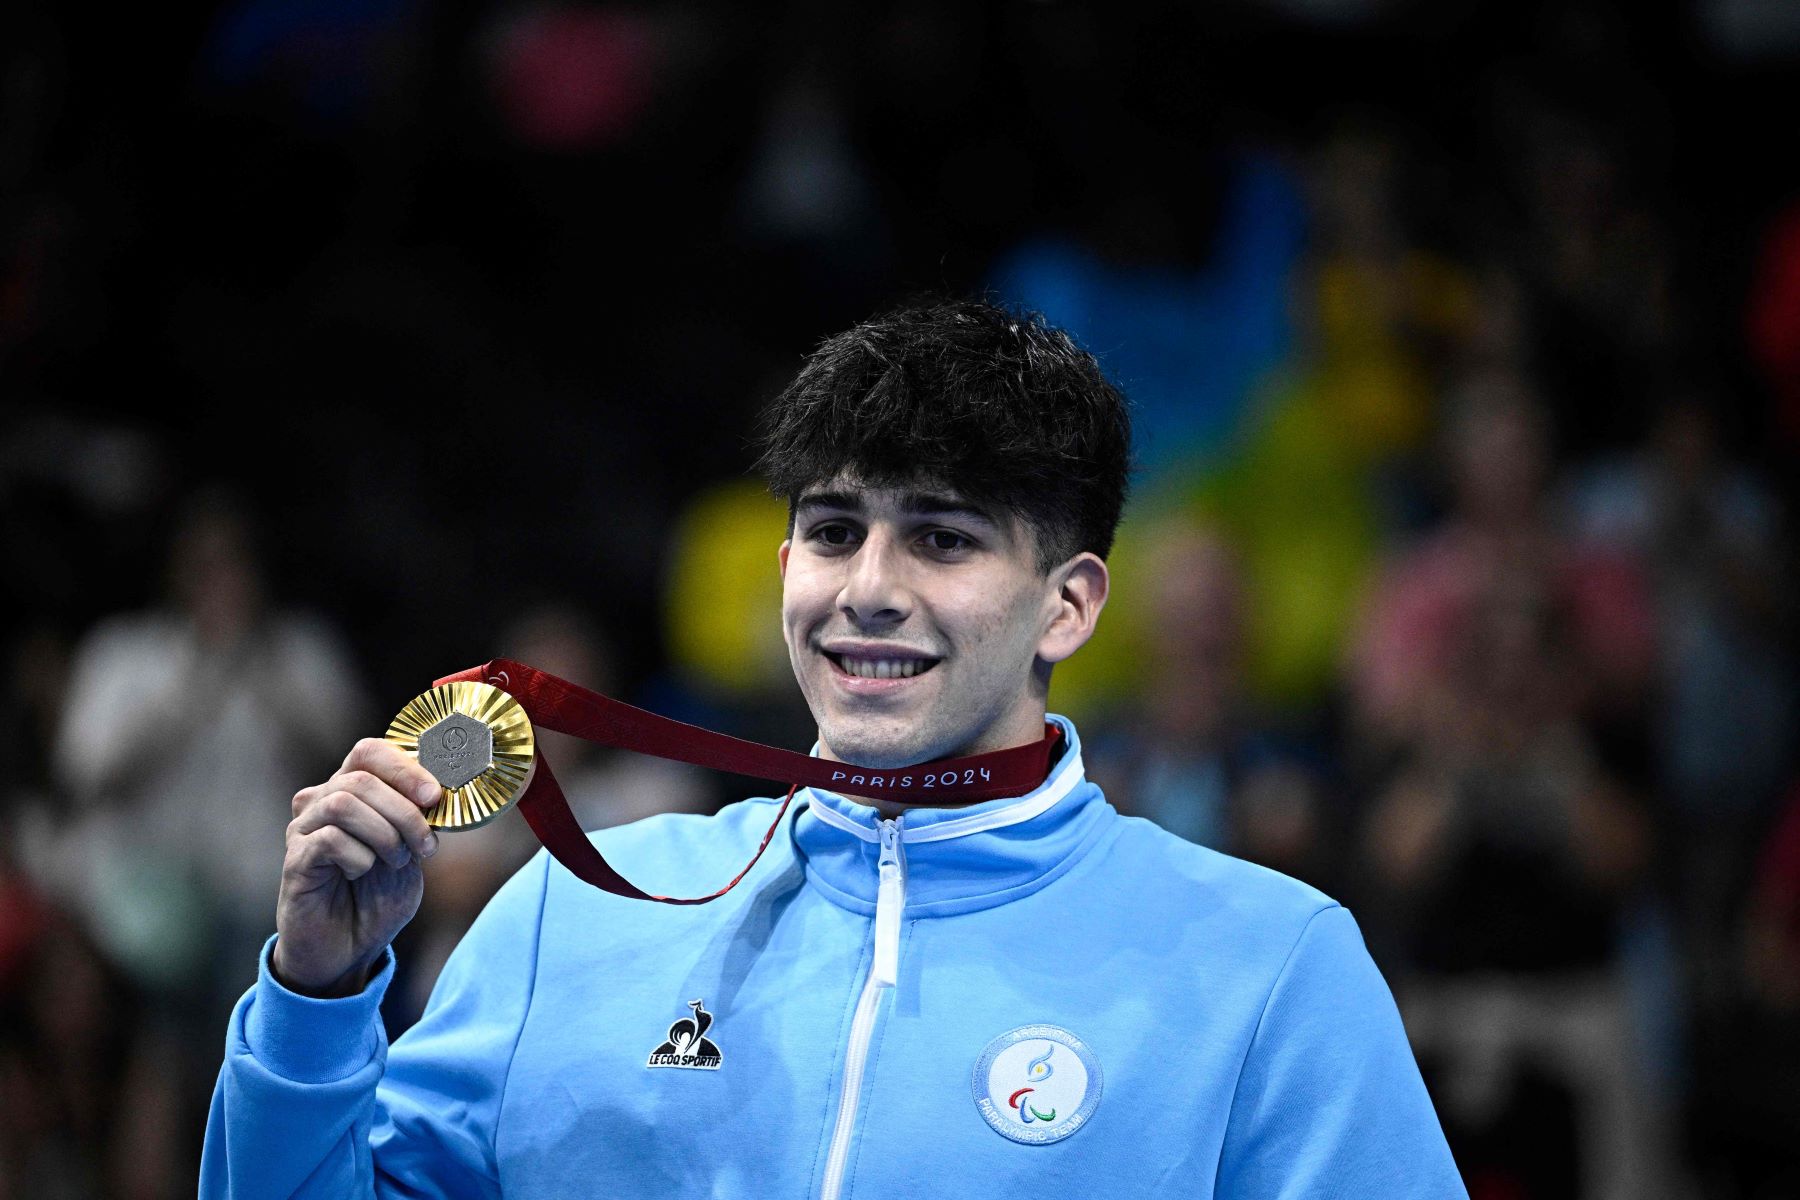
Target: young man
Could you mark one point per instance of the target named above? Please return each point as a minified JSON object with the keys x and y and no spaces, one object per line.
{"x":1008,"y":998}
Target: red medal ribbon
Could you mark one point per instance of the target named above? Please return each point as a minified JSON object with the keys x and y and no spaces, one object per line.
{"x":557,"y":704}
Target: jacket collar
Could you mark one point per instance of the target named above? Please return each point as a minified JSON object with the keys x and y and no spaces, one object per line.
{"x":957,"y":859}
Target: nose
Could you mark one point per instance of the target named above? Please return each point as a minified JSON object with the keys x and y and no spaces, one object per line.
{"x":874,"y":590}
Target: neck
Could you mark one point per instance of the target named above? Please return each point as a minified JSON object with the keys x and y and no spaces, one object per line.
{"x":1018,"y":732}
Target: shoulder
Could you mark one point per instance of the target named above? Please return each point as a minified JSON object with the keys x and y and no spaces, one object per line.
{"x":1214,"y":894}
{"x":124,"y":654}
{"x":138,"y":634}
{"x":298,"y":631}
{"x":1203,"y":875}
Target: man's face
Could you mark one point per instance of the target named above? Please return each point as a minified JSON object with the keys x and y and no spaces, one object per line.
{"x":915,"y":623}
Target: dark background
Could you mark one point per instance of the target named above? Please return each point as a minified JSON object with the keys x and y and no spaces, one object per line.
{"x":448,"y":312}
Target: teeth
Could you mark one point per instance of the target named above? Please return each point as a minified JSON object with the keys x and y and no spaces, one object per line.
{"x":884,"y":668}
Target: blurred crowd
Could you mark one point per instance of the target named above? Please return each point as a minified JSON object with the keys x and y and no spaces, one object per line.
{"x":342,"y":347}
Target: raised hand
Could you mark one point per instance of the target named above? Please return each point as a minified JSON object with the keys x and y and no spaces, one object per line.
{"x":353,"y":876}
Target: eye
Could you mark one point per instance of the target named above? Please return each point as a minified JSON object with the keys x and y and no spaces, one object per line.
{"x":833,"y":534}
{"x":946,"y":541}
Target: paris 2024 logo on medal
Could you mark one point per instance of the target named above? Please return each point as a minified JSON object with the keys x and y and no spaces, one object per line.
{"x":1037,"y":1084}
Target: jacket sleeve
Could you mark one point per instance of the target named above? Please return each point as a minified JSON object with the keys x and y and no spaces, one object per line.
{"x":1329,"y":1101}
{"x":312,"y":1102}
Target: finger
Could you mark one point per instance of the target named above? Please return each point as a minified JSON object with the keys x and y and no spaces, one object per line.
{"x":399,"y":810}
{"x":306,"y":795}
{"x":348,"y":812}
{"x":330,"y":847}
{"x":396,"y":768}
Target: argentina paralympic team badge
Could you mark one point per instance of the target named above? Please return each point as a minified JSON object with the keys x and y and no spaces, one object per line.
{"x":1036,"y":1084}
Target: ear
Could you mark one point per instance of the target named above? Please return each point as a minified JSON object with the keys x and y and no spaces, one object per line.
{"x":1074,"y":608}
{"x":781,"y":557}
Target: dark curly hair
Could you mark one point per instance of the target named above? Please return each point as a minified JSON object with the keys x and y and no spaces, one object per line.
{"x":997,"y":405}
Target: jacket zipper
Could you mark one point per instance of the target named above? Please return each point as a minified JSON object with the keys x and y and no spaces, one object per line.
{"x":890,"y":900}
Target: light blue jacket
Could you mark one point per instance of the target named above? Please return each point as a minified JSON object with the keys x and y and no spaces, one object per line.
{"x":1028,"y":997}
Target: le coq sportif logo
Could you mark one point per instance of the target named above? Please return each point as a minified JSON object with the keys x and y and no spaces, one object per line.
{"x":687,"y":1045}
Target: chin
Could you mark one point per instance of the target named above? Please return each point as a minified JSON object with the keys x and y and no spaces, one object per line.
{"x":867,"y":744}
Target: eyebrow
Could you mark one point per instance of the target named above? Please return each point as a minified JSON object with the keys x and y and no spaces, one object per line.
{"x":912,"y":503}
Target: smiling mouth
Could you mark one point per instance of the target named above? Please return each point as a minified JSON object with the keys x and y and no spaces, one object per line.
{"x":881,"y":668}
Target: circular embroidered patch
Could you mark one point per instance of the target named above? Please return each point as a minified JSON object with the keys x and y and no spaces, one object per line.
{"x":1037,"y":1084}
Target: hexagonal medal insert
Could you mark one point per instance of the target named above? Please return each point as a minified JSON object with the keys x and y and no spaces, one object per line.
{"x":456,"y":749}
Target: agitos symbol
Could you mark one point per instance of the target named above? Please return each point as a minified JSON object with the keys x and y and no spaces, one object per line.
{"x":1039,"y":1070}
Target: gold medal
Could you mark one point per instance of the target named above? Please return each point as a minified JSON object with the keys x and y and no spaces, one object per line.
{"x":476,"y":741}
